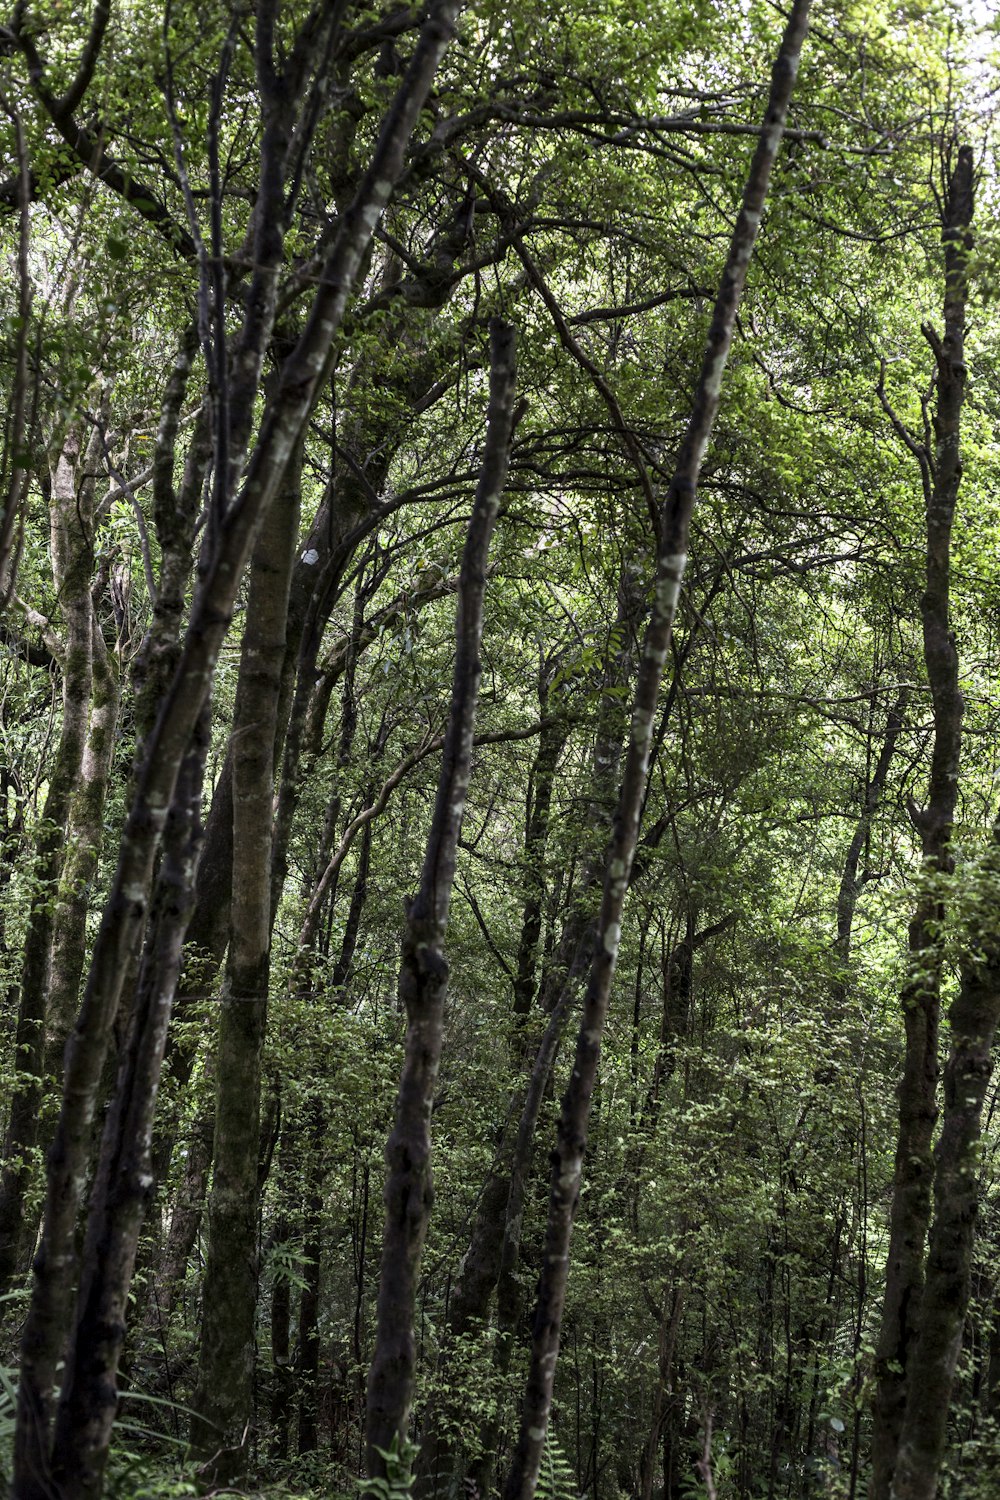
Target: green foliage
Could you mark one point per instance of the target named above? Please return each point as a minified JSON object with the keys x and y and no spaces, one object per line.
{"x":397,"y":1482}
{"x":730,"y":1244}
{"x":556,"y":1480}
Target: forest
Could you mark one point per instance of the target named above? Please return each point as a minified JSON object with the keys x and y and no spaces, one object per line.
{"x":499,"y":750}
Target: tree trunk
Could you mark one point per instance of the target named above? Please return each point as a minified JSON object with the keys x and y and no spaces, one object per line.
{"x":340,"y":522}
{"x":550,"y":747}
{"x":223,"y":1402}
{"x":85,"y":835}
{"x":674,"y":526}
{"x":424,"y":971}
{"x":510,"y":1294}
{"x":188,"y":1206}
{"x":233,"y":532}
{"x":850,"y":885}
{"x":492,"y":1261}
{"x":309,"y":1343}
{"x":912,"y":1180}
{"x":72,"y":547}
{"x":124,"y":1180}
{"x":281,"y":1352}
{"x":930,"y":1371}
{"x":670,"y":1319}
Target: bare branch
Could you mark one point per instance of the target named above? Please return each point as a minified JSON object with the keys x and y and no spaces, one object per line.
{"x":899,"y":427}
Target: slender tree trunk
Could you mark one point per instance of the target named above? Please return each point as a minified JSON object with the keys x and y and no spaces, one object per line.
{"x":233,"y":532}
{"x":15,"y":472}
{"x":186,"y":1217}
{"x":352,"y":928}
{"x":175,"y":514}
{"x":850,"y":885}
{"x":911,"y":1198}
{"x":675,"y":1019}
{"x":72,"y":546}
{"x":510,"y":1293}
{"x":492,"y":1261}
{"x":223,"y":1401}
{"x":330,"y":543}
{"x":930,"y":1372}
{"x":85,"y":835}
{"x":675,"y":521}
{"x":423,"y":975}
{"x":550,"y":747}
{"x":476,"y":1280}
{"x":123,"y":1181}
{"x":670,"y":1320}
{"x":309,"y":1302}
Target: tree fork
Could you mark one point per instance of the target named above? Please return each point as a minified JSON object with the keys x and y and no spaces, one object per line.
{"x":124,"y":915}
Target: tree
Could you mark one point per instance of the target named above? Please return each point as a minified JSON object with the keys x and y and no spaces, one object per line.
{"x":255,"y":256}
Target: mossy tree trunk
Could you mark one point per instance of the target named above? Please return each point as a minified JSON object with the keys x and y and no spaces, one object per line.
{"x":84,"y":838}
{"x":253,"y":476}
{"x":223,"y":1402}
{"x":71,"y":505}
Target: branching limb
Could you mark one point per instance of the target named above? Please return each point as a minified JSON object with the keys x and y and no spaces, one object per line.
{"x":920,"y":452}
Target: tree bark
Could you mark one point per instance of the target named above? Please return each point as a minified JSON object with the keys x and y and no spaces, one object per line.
{"x":186,"y":1217}
{"x":72,"y":549}
{"x":223,"y":1400}
{"x":124,"y":916}
{"x":423,"y":974}
{"x":510,"y":1294}
{"x":341,"y":521}
{"x":309,"y":1302}
{"x":124,"y":1180}
{"x":674,"y":526}
{"x":175,"y":515}
{"x":912,"y":1181}
{"x":281,"y":1351}
{"x":85,"y":835}
{"x":492,"y":1261}
{"x":930,"y":1371}
{"x":550,"y":747}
